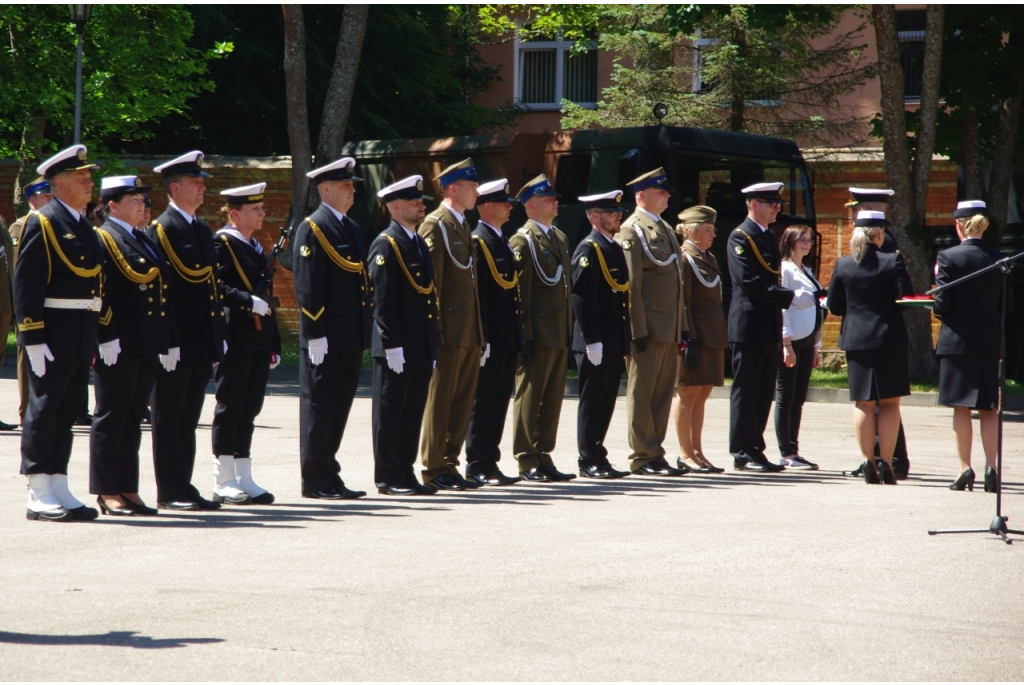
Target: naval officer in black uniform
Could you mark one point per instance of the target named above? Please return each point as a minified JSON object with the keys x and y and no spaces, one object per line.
{"x":755,"y":325}
{"x":877,"y":200}
{"x":335,"y":304}
{"x":500,"y":310}
{"x":601,"y":329}
{"x":57,"y":301}
{"x":254,"y":348}
{"x":405,"y":338}
{"x":186,"y":242}
{"x":135,"y":320}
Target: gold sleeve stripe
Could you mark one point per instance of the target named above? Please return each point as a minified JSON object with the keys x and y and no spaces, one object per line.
{"x":312,"y":316}
{"x":30,"y":325}
{"x":105,"y":320}
{"x":238,"y":267}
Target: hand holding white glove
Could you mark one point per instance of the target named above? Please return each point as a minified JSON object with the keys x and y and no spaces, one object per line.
{"x":275,"y":359}
{"x":170,"y":360}
{"x":486,"y":353}
{"x":803,"y":299}
{"x":37,"y":356}
{"x":260,"y":307}
{"x":595,"y":353}
{"x":317,"y":350}
{"x":109,"y":351}
{"x":396,"y":359}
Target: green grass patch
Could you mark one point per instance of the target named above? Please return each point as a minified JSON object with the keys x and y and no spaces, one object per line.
{"x":290,"y":354}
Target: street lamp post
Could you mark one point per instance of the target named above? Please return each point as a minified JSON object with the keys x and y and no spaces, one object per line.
{"x":79,"y":14}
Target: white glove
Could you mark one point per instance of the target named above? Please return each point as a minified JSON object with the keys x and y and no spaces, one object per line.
{"x":396,"y":359}
{"x":275,"y":359}
{"x":109,"y":351}
{"x":37,"y":356}
{"x":485,"y":355}
{"x":595,"y":353}
{"x":803,"y":299}
{"x":317,"y":350}
{"x":260,"y":307}
{"x":170,"y":360}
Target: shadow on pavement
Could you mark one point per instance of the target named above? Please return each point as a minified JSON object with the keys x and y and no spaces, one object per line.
{"x":115,"y":638}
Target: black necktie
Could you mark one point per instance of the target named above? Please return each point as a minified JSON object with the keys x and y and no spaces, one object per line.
{"x":140,"y":238}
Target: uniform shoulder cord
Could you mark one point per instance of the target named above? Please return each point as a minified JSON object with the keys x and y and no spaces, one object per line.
{"x":505,"y":284}
{"x":238,"y":266}
{"x":757,"y":253}
{"x":401,"y":262}
{"x":51,"y":239}
{"x":346,"y":264}
{"x":612,"y":283}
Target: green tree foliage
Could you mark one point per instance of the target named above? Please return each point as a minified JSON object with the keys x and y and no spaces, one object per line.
{"x":771,"y":69}
{"x":137,"y":68}
{"x":418,"y":71}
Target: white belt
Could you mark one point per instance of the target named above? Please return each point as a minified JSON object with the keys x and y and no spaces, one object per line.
{"x":93,"y":305}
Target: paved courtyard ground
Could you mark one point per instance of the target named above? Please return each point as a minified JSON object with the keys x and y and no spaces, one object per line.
{"x":796,"y":576}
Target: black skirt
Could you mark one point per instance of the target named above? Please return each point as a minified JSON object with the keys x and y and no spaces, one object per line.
{"x":969,"y":380}
{"x":878,"y":374}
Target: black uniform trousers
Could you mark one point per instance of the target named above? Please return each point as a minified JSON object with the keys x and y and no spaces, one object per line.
{"x":754,"y":371}
{"x":790,"y":395}
{"x":54,"y":402}
{"x":494,"y":390}
{"x":122,"y":395}
{"x":176,"y":403}
{"x":398,"y":403}
{"x":325,"y":399}
{"x":599,"y":387}
{"x":241,"y":379}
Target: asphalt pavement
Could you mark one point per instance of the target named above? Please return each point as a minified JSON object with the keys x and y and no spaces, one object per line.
{"x":793,"y":576}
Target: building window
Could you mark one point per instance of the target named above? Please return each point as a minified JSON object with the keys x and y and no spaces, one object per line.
{"x":547,"y":72}
{"x":910,"y":29}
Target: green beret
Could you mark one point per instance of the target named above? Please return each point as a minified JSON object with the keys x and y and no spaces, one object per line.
{"x":699,"y":214}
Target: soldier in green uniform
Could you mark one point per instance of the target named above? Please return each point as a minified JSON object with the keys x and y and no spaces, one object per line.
{"x":453,"y":383}
{"x":543,"y":251}
{"x":658,"y":321}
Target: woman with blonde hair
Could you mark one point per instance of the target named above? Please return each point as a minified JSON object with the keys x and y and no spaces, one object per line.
{"x":969,"y":344}
{"x":703,"y":367}
{"x":864,"y":289}
{"x":801,"y":338}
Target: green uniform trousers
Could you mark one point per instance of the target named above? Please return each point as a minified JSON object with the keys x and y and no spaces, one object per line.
{"x":449,"y":406}
{"x":537,"y":407}
{"x":649,"y":392}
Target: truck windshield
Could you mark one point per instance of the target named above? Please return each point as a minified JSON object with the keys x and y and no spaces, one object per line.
{"x":716,"y":180}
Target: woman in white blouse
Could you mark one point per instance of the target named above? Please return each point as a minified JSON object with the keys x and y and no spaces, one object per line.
{"x":801,"y":338}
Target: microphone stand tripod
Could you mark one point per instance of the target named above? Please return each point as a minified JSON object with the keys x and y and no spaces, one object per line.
{"x":998,"y":525}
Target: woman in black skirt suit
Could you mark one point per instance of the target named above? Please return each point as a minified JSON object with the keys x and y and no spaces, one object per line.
{"x":864,"y":289}
{"x":968,"y":347}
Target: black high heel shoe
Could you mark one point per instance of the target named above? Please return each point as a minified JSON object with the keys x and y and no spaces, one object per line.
{"x":870,"y":472}
{"x":991,"y":480}
{"x":114,"y":510}
{"x":966,"y":480}
{"x":885,"y":473}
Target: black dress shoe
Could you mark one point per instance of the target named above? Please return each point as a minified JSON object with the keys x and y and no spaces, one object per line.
{"x":535,"y":475}
{"x":207,"y":505}
{"x":466,"y":483}
{"x":113,"y":509}
{"x":140,"y":509}
{"x":855,"y":473}
{"x":179,"y":505}
{"x":494,"y":477}
{"x":58,"y":515}
{"x":760,"y":465}
{"x":695,"y":468}
{"x":265,"y":498}
{"x":613,"y":472}
{"x":347,"y":493}
{"x":991,"y":480}
{"x":396,"y":491}
{"x":965,"y":481}
{"x":325,"y":493}
{"x":595,"y":471}
{"x":556,"y":475}
{"x":6,"y":426}
{"x":424,"y":489}
{"x":84,"y":513}
{"x":657,"y":468}
{"x":446,"y":482}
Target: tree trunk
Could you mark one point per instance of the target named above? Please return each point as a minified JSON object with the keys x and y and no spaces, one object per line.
{"x":29,"y":151}
{"x":906,"y":210}
{"x":297,"y":106}
{"x":974,"y":183}
{"x":340,"y":89}
{"x":1002,"y":158}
